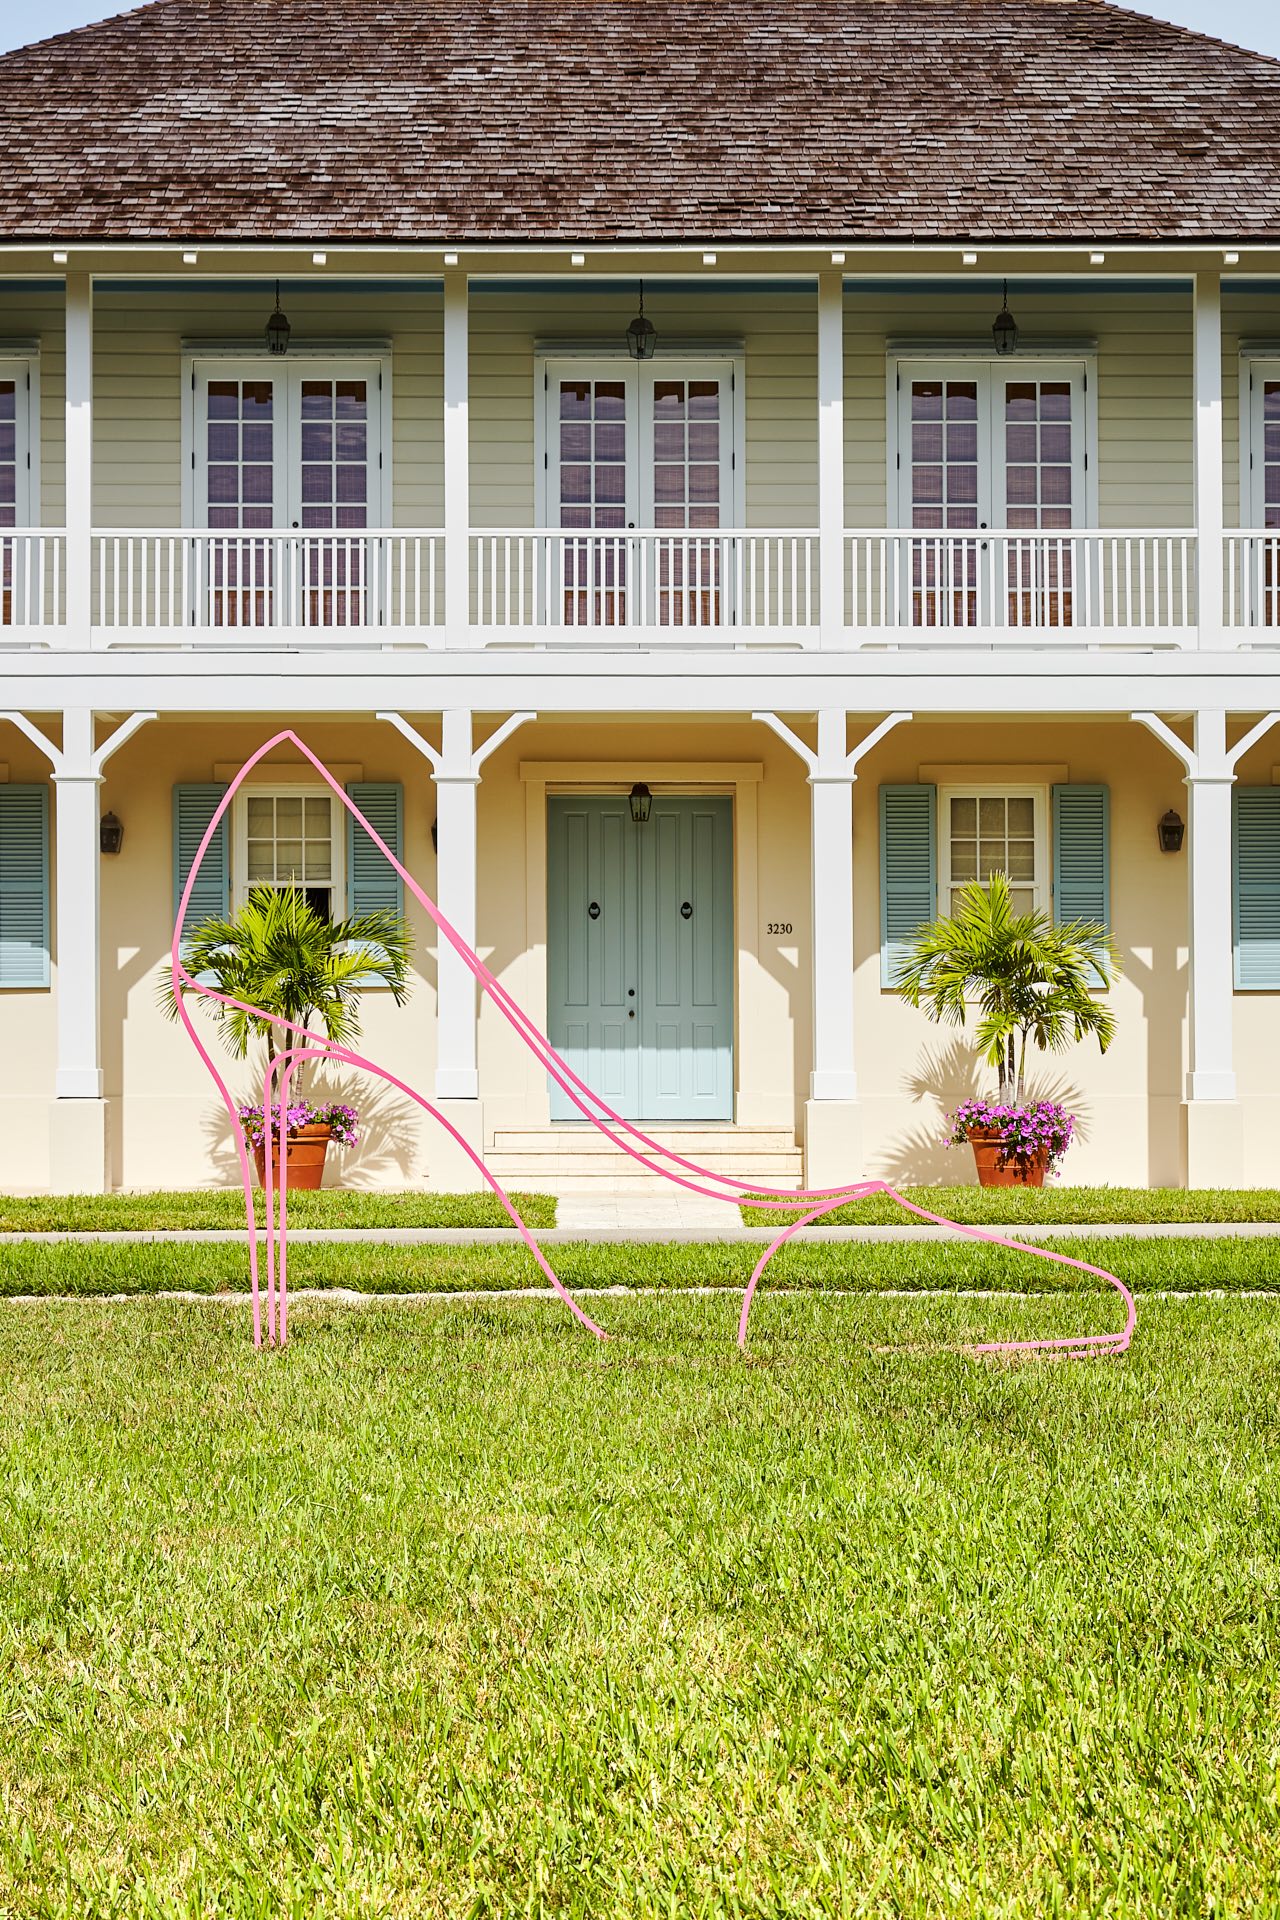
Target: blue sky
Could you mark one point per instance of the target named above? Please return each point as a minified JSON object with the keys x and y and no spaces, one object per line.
{"x":1246,"y":22}
{"x":1251,"y":23}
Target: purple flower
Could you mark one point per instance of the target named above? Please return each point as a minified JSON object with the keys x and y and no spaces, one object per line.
{"x":1023,"y":1131}
{"x":342,"y":1120}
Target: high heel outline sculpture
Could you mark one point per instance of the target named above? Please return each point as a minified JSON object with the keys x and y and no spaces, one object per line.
{"x":630,"y":1139}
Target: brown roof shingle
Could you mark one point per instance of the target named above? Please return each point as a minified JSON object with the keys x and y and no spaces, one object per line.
{"x":581,"y":120}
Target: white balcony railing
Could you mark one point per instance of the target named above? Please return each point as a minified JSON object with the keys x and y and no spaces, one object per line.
{"x":227,"y":585}
{"x":32,"y":580}
{"x":663,"y":582}
{"x":1042,"y":587}
{"x":1252,"y":581}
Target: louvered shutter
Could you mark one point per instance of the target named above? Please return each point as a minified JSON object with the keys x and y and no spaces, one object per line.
{"x":908,"y":871}
{"x":1255,"y":862}
{"x":373,"y":885}
{"x":1082,"y":857}
{"x":193,"y":808}
{"x":24,"y":886}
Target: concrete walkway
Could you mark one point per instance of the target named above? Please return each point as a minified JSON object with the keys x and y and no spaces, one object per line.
{"x":671,"y":1234}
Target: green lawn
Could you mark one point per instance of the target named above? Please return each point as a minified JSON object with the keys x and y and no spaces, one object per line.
{"x":448,"y":1611}
{"x":224,"y":1207}
{"x":1066,"y":1206}
{"x":34,"y":1267}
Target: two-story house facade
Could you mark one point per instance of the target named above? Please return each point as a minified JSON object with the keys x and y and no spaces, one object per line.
{"x":710,"y":481}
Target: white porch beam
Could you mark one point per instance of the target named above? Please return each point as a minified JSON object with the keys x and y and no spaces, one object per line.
{"x":1208,"y":458}
{"x":831,"y":456}
{"x":79,"y":460}
{"x":457,"y":459}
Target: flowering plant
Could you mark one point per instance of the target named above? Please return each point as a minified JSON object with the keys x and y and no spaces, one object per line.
{"x":1023,"y":1131}
{"x":342,"y":1120}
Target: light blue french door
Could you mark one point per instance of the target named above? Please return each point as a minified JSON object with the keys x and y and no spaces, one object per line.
{"x":640,"y":953}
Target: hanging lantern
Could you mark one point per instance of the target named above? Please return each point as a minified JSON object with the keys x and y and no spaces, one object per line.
{"x":642,"y":335}
{"x":1005,"y":329}
{"x":278,"y":329}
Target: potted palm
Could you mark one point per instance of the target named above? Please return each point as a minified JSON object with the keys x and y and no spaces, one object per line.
{"x":1031,"y":984}
{"x":280,"y":955}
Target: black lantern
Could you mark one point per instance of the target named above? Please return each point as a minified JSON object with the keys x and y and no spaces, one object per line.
{"x":1171,"y":831}
{"x":278,"y":329}
{"x":642,"y":335}
{"x":641,"y":803}
{"x":110,"y":834}
{"x":1004,"y":330}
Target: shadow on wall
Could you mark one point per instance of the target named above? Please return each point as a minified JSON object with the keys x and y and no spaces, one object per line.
{"x":389,"y":1149}
{"x":943,"y":1076}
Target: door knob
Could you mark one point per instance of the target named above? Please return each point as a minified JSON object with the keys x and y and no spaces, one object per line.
{"x":593,"y":911}
{"x":686,"y":911}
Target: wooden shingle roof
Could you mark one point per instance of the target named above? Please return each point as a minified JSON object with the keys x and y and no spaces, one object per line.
{"x":637,"y":120}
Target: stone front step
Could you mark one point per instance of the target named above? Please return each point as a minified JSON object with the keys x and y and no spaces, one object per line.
{"x":578,"y":1159}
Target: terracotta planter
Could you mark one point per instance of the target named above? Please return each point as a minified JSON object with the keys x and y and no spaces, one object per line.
{"x":996,"y":1168}
{"x":305,"y":1151}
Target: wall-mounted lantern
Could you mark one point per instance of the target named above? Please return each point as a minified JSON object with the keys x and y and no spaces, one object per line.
{"x":1171,"y":831}
{"x":641,"y":803}
{"x":1004,"y":330}
{"x":110,"y":834}
{"x":278,"y":329}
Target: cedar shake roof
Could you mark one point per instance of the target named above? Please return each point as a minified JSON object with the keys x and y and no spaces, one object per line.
{"x":430,"y":121}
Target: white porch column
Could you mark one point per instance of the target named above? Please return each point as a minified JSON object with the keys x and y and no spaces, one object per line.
{"x":832,"y":1124}
{"x":456,"y":771}
{"x":1208,"y":457}
{"x":78,"y":1118}
{"x":1214,"y":1129}
{"x":831,"y":456}
{"x":457,"y":461}
{"x":79,"y":458}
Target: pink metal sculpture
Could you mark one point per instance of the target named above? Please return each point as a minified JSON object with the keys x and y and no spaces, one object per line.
{"x":301,"y":1045}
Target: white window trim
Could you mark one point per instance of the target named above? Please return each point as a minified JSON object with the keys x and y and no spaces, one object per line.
{"x":937,"y":360}
{"x":1042,"y":891}
{"x":326,"y":363}
{"x":24,"y":368}
{"x":689,"y":363}
{"x":287,"y":789}
{"x":1264,"y":362}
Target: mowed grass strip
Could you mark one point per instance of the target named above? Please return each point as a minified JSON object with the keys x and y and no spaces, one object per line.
{"x":493,"y":1621}
{"x":98,"y":1268}
{"x":1045,"y":1206}
{"x":224,"y":1207}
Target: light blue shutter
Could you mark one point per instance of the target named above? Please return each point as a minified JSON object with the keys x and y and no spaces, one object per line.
{"x":1255,"y":864}
{"x":1082,"y":854}
{"x":193,"y":808}
{"x":908,"y":871}
{"x":373,"y":885}
{"x":24,"y":886}
{"x":1082,"y":858}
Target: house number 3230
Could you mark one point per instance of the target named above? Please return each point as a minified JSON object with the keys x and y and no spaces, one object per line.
{"x":779,"y":926}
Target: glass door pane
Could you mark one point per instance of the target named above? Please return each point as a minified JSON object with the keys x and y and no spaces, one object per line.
{"x":10,"y":473}
{"x":689,"y":434}
{"x":591,"y":477}
{"x":1039,"y":431}
{"x":333,"y":488}
{"x":946,"y":488}
{"x":240,"y":442}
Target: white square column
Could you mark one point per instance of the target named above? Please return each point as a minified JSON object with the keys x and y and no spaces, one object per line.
{"x":457,"y":461}
{"x":1214,"y":1125}
{"x":1208,"y":458}
{"x":78,"y":1120}
{"x":79,"y":452}
{"x":831,"y":457}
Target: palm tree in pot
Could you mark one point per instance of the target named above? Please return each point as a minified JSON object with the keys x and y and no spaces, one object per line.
{"x":1031,"y":984}
{"x":280,"y":955}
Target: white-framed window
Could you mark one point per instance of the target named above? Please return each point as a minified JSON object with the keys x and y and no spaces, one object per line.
{"x":985,"y":829}
{"x":290,"y":836}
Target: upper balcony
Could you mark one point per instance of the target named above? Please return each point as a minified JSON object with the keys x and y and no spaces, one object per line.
{"x":479,"y":463}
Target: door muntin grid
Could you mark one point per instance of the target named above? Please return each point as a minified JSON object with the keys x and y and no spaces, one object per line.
{"x":15,"y":482}
{"x":296,"y":450}
{"x":1263,"y":567}
{"x":979,"y":447}
{"x":594,"y":427}
{"x":688,"y":486}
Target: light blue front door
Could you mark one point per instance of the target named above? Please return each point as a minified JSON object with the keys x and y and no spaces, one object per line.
{"x":640,"y":954}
